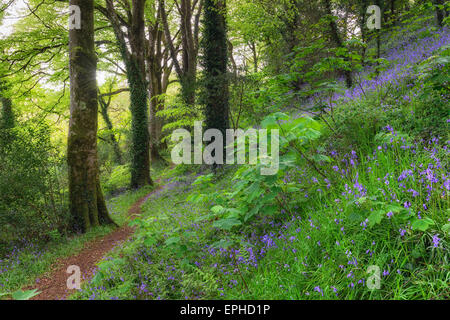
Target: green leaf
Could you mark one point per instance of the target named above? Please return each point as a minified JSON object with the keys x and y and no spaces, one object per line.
{"x":97,"y":278}
{"x":24,"y":295}
{"x":270,"y":210}
{"x":422,"y":224}
{"x":217,"y":209}
{"x":446,"y":228}
{"x":223,"y":243}
{"x":292,"y":189}
{"x":321,"y":158}
{"x":355,"y":217}
{"x":150,"y":241}
{"x":173,"y":240}
{"x":254,"y":191}
{"x":361,"y":200}
{"x":233,"y":213}
{"x":376,"y":217}
{"x":227,"y":224}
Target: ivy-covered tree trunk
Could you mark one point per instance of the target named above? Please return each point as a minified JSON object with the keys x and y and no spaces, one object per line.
{"x":140,"y":170}
{"x":104,"y":105}
{"x":87,"y":205}
{"x":215,"y":59}
{"x":134,"y":59}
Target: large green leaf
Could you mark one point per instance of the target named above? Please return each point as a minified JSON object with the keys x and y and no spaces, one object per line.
{"x":376,"y":217}
{"x":24,"y":295}
{"x":218,"y":209}
{"x":446,"y":228}
{"x":422,"y":224}
{"x":227,"y":224}
{"x":173,"y":240}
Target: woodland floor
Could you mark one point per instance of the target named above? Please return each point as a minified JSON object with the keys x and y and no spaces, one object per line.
{"x":53,"y":285}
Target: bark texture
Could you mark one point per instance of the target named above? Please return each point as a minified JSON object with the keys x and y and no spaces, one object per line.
{"x":159,"y":69}
{"x":87,"y":205}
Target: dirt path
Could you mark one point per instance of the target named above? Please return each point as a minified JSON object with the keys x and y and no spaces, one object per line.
{"x":53,"y":286}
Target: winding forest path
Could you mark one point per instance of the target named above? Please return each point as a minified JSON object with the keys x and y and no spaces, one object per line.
{"x":53,"y":285}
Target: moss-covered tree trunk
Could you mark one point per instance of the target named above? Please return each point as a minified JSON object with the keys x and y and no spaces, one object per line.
{"x":362,"y":19}
{"x":87,"y":205}
{"x":215,"y":60}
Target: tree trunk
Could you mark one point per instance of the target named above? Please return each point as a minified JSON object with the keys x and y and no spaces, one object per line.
{"x":112,"y":138}
{"x":337,"y":40}
{"x":189,"y":29}
{"x":362,"y":25}
{"x":440,"y":13}
{"x":7,"y":115}
{"x":255,"y":56}
{"x":87,"y":205}
{"x":156,"y":123}
{"x":134,"y":59}
{"x":378,"y":35}
{"x":140,"y":171}
{"x":215,"y":64}
{"x":392,"y":4}
{"x":158,"y":73}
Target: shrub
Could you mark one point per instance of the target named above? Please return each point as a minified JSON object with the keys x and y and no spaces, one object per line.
{"x":118,"y":180}
{"x":31,"y":202}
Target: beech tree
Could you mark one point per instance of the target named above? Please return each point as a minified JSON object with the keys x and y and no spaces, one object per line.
{"x":87,"y":204}
{"x":159,"y":69}
{"x":189,"y":12}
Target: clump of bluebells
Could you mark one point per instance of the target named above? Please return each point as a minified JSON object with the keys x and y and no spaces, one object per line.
{"x":331,"y":244}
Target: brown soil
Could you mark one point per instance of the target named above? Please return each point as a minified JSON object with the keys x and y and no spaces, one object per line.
{"x":53,"y":286}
